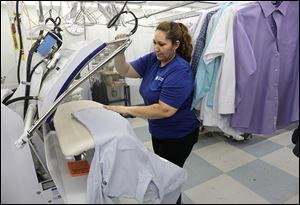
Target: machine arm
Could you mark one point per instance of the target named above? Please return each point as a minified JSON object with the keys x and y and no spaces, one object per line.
{"x":28,"y":133}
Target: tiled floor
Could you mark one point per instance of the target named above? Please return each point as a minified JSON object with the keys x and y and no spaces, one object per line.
{"x":262,"y":169}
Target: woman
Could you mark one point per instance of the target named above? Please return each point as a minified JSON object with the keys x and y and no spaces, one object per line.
{"x":167,"y":89}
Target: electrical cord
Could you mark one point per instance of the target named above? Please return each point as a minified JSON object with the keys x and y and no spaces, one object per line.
{"x":34,"y":68}
{"x":20,"y":98}
{"x":45,"y":75}
{"x":9,"y":96}
{"x":135,"y":19}
{"x":116,"y":17}
{"x":28,"y":73}
{"x":135,"y":25}
{"x":21,"y":41}
{"x":56,"y":30}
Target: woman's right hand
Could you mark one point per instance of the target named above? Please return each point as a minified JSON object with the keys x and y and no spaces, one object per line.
{"x":122,"y":67}
{"x":120,"y":36}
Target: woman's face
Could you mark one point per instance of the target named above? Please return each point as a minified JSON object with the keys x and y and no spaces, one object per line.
{"x":163,"y":47}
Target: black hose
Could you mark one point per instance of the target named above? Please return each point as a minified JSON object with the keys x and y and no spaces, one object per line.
{"x":19,"y":65}
{"x":20,"y":98}
{"x":7,"y":98}
{"x":27,"y":86}
{"x":135,"y":25}
{"x":20,"y":38}
{"x":27,"y":89}
{"x":45,"y":75}
{"x":28,"y":79}
{"x":56,"y":29}
{"x":116,"y":17}
{"x":34,"y":68}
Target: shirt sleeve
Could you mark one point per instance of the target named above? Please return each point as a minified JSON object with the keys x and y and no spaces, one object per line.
{"x":140,"y":65}
{"x":177,"y":87}
{"x":245,"y":62}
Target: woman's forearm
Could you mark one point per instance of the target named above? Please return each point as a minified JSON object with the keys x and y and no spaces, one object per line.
{"x":154,"y":111}
{"x":120,"y":64}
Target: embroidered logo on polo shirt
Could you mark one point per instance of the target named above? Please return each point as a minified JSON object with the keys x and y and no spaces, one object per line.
{"x":159,"y":78}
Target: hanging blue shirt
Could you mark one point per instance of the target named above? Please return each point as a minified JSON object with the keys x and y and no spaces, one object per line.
{"x":173,"y":85}
{"x":206,"y":74}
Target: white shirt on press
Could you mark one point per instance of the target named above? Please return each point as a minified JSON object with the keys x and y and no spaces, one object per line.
{"x":122,"y":166}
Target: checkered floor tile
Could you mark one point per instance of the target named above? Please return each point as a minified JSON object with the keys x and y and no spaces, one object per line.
{"x":262,"y":169}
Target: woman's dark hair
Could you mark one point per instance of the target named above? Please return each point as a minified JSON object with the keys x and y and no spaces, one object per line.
{"x":178,"y":31}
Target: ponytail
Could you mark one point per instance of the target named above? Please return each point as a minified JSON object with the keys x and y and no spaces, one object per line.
{"x":178,"y":32}
{"x":185,"y":48}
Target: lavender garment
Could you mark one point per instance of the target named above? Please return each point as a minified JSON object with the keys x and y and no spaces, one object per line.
{"x":266,"y":42}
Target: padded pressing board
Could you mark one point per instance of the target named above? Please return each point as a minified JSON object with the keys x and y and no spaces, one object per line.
{"x":73,"y":137}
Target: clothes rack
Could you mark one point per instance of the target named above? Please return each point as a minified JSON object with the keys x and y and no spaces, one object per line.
{"x":186,"y":15}
{"x":170,"y":8}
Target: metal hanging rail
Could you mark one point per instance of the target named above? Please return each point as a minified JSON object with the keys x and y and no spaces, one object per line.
{"x":171,"y":8}
{"x":164,"y":10}
{"x":189,"y":14}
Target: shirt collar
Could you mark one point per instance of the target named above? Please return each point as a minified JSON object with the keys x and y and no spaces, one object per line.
{"x":268,"y":8}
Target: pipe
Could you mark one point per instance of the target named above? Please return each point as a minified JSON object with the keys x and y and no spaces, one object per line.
{"x":189,"y":14}
{"x":164,"y":10}
{"x":29,"y":117}
{"x":171,"y":8}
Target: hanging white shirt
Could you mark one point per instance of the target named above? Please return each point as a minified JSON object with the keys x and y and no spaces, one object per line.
{"x":221,"y":44}
{"x":122,"y":166}
{"x":210,"y":115}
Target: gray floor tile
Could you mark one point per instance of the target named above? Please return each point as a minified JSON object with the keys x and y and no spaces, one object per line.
{"x":185,"y":199}
{"x":273,"y":184}
{"x":245,"y":143}
{"x":199,"y":171}
{"x":292,"y":126}
{"x":291,"y":146}
{"x":262,"y":148}
{"x":206,"y":139}
{"x":142,"y":133}
{"x":288,"y":128}
{"x":267,"y":181}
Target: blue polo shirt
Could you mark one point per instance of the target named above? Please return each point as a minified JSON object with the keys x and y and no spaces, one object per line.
{"x":172,"y":84}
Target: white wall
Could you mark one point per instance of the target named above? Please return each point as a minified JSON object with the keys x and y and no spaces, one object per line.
{"x":8,"y":58}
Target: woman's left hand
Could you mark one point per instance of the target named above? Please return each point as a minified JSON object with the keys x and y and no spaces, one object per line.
{"x":117,"y":108}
